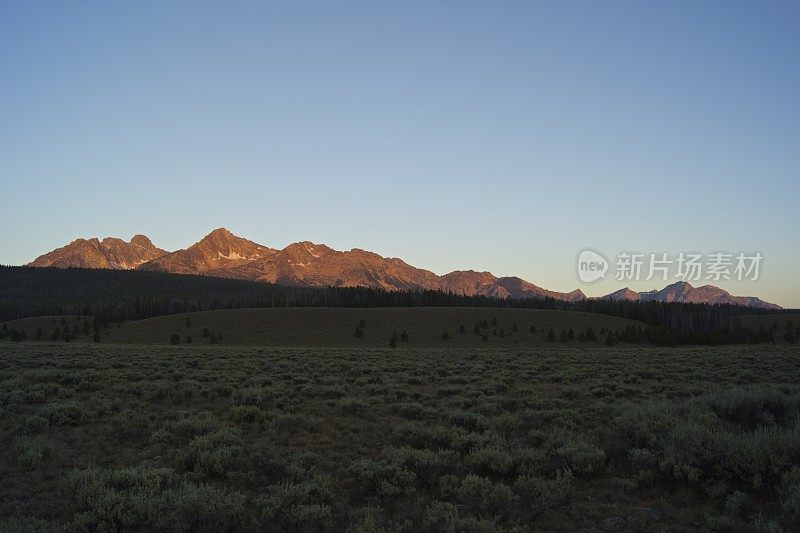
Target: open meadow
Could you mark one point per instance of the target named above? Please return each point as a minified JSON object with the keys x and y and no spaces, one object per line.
{"x":469,"y":435}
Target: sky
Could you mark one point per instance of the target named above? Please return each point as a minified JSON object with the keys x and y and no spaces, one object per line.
{"x":500,"y":136}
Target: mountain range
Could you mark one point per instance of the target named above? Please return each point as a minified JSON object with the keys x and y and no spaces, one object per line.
{"x":223,"y":254}
{"x":686,"y":293}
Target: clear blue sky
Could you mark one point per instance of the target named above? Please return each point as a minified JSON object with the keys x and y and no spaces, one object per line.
{"x":495,"y":136}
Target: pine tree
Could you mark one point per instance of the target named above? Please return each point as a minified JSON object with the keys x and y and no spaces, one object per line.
{"x":571,"y":334}
{"x":446,"y":336}
{"x":610,"y":339}
{"x":477,"y":329}
{"x":206,"y":333}
{"x":462,"y":329}
{"x":551,"y":336}
{"x":404,"y":336}
{"x":494,"y":321}
{"x":175,"y":339}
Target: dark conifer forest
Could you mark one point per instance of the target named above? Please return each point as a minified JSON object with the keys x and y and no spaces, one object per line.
{"x":115,"y":296}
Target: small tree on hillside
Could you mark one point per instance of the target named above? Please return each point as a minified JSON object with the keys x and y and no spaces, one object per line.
{"x":404,"y":336}
{"x":206,"y":333}
{"x":462,"y":329}
{"x":175,"y":339}
{"x":477,"y":329}
{"x":551,"y":336}
{"x":446,"y":335}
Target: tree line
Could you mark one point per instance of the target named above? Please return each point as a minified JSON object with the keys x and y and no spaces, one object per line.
{"x":117,"y":295}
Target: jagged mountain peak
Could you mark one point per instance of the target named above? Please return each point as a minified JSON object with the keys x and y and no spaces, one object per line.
{"x":684,"y":292}
{"x":111,"y":253}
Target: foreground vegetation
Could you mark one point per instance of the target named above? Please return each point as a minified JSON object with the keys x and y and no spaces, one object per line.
{"x":479,"y":438}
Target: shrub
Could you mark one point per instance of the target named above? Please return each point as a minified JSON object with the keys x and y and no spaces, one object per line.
{"x":382,"y":478}
{"x":149,"y":498}
{"x":35,"y":424}
{"x":580,"y":457}
{"x":482,"y":498}
{"x":68,"y":413}
{"x":246,"y":413}
{"x":490,"y":460}
{"x":303,"y":505}
{"x":212,"y":455}
{"x":537,"y":494}
{"x":32,"y":452}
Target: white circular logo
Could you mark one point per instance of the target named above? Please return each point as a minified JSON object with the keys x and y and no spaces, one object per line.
{"x":591,"y":266}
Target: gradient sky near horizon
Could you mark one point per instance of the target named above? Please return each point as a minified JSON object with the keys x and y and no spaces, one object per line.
{"x":495,"y":136}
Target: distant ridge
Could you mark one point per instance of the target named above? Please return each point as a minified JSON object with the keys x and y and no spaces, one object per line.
{"x":223,"y":254}
{"x":686,"y":293}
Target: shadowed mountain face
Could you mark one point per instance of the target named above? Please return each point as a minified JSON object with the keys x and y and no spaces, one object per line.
{"x":685,"y":293}
{"x":223,"y":254}
{"x":110,"y":253}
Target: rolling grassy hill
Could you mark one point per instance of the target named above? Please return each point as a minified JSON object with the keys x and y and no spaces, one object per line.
{"x":336,"y":326}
